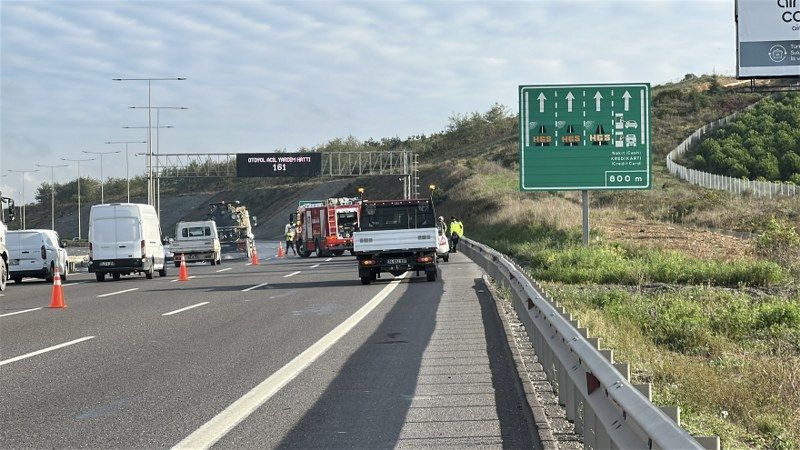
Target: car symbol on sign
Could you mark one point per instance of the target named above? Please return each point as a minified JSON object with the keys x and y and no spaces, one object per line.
{"x":631,"y":124}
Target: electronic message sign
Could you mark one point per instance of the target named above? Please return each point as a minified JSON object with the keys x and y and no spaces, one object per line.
{"x":767,"y":38}
{"x":278,"y":164}
{"x":584,"y":137}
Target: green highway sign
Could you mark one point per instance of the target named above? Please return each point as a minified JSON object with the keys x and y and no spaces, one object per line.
{"x":584,"y":137}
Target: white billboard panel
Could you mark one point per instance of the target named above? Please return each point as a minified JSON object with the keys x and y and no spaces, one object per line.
{"x":767,"y":38}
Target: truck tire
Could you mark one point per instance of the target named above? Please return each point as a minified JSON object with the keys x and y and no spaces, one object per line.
{"x":177,"y":263}
{"x":116,"y":276}
{"x":366,"y":280}
{"x":338,"y":252}
{"x":213,"y":262}
{"x":16,"y":280}
{"x":446,"y":257}
{"x":3,"y":274}
{"x":430,"y":275}
{"x":100,"y":276}
{"x":163,"y":271}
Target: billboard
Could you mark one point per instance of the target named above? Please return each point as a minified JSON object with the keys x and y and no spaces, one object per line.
{"x":584,"y":137}
{"x":767,"y":38}
{"x":278,"y":164}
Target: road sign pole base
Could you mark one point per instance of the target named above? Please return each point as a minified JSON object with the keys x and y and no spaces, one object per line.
{"x":585,"y":207}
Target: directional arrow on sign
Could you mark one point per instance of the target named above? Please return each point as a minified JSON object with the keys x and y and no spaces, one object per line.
{"x":627,"y":97}
{"x":597,"y":97}
{"x":541,"y":99}
{"x":569,"y":98}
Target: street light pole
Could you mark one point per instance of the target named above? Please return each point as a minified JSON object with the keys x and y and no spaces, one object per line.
{"x":127,"y":171}
{"x":158,"y":151}
{"x":102,"y":181}
{"x":52,"y":192}
{"x":79,"y":188}
{"x":149,"y":132}
{"x":23,"y":207}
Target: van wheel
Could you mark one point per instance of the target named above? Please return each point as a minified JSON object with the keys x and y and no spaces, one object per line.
{"x":116,"y":276}
{"x":51,"y":274}
{"x":446,"y":258}
{"x":430,"y":275}
{"x":100,"y":276}
{"x":213,"y":262}
{"x":17,"y":280}
{"x":163,"y":271}
{"x":366,"y":280}
{"x":64,"y":273}
{"x":177,"y":264}
{"x":149,"y":272}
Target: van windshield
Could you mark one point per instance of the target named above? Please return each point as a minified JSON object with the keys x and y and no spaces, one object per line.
{"x":32,"y":240}
{"x":110,"y":231}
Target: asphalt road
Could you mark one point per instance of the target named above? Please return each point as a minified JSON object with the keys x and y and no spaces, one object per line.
{"x":290,"y":353}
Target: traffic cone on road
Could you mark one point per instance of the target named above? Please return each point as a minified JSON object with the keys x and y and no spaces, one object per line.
{"x":254,"y":257}
{"x":57,"y":300}
{"x":183,"y":272}
{"x":281,"y":253}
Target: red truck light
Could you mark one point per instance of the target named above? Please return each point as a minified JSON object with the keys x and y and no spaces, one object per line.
{"x":368,"y":262}
{"x":425,"y":259}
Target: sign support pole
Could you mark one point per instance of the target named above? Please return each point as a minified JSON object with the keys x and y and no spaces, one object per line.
{"x":585,"y":207}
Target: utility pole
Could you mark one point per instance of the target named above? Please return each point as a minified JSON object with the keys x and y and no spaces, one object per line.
{"x":149,"y":127}
{"x":79,"y":188}
{"x":158,"y":151}
{"x":52,"y":192}
{"x":127,"y":167}
{"x":102,"y":181}
{"x":23,"y":207}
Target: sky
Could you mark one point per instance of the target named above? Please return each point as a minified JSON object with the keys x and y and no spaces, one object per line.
{"x":263,"y":76}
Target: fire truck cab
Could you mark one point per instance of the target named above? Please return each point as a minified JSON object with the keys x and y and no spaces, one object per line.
{"x":326,"y":228}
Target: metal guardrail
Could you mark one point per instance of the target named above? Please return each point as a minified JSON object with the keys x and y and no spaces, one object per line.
{"x":599,"y":398}
{"x":722,"y":182}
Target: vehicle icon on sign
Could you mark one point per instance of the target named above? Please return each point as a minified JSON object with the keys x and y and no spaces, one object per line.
{"x":630,"y":140}
{"x":631,"y":124}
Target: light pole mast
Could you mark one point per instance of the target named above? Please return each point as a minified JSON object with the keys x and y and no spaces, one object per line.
{"x":79,"y":188}
{"x":52,"y":192}
{"x":24,"y":208}
{"x":149,"y":133}
{"x":158,"y":145}
{"x":102,"y":181}
{"x":127,"y":168}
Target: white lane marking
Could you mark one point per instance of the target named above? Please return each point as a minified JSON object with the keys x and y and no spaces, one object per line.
{"x":329,"y":259}
{"x":184,"y":309}
{"x":225,"y":269}
{"x":20,"y":312}
{"x":315,"y":266}
{"x":254,"y":287}
{"x":213,"y":430}
{"x":291,"y":274}
{"x":73,"y":284}
{"x":172,"y":281}
{"x":44,"y":350}
{"x":118,"y":292}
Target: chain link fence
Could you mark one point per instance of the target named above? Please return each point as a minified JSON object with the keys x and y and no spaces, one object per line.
{"x":722,"y":182}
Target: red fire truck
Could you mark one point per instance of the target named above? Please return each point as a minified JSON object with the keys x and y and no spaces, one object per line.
{"x":326,"y":228}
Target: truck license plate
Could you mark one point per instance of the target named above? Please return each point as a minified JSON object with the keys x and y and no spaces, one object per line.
{"x":107,"y":263}
{"x":396,"y":261}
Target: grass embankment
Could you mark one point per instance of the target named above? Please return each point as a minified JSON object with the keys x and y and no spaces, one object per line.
{"x":718,"y":337}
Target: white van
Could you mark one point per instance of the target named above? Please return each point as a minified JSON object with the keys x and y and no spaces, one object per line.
{"x":125,"y":238}
{"x":35,"y":254}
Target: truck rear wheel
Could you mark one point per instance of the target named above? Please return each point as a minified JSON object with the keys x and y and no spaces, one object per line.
{"x":3,"y":274}
{"x":430,"y":275}
{"x":100,"y":276}
{"x":366,"y":280}
{"x":338,"y":252}
{"x":163,"y":271}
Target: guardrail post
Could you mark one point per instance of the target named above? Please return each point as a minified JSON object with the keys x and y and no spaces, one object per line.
{"x":674,"y":413}
{"x":709,"y":443}
{"x":646,"y":389}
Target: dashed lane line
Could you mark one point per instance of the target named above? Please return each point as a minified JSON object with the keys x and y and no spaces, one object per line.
{"x":19,"y":312}
{"x":254,"y":287}
{"x":44,"y":350}
{"x":172,"y":281}
{"x":75,"y":283}
{"x":291,"y":274}
{"x":184,"y":309}
{"x":329,"y":259}
{"x":315,"y":266}
{"x":118,"y":292}
{"x":213,"y":430}
{"x":225,"y":269}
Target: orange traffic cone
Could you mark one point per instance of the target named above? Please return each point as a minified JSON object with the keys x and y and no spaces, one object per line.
{"x":254,"y":257}
{"x":183,"y":272}
{"x":281,"y":253}
{"x":58,"y":296}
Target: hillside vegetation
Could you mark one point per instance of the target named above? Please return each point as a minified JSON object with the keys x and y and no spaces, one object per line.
{"x":761,"y":144}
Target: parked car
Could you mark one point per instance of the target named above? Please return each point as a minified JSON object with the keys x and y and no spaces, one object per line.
{"x":35,"y":254}
{"x":125,"y":238}
{"x":196,"y":242}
